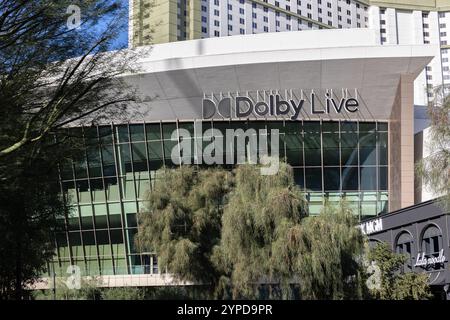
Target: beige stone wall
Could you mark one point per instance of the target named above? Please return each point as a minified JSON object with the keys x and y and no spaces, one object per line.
{"x":154,"y":21}
{"x":401,"y":142}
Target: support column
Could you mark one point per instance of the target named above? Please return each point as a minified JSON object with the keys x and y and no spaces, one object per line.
{"x":401,"y":146}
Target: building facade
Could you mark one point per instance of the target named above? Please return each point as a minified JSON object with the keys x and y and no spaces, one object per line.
{"x":342,"y":105}
{"x":400,"y":22}
{"x":421,"y":232}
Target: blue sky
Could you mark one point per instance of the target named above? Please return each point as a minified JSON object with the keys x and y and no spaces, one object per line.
{"x":122,"y":39}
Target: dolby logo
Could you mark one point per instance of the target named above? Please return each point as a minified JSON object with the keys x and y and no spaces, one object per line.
{"x":277,"y":106}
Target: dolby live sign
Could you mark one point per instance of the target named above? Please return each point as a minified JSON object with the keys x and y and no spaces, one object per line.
{"x":285,"y":104}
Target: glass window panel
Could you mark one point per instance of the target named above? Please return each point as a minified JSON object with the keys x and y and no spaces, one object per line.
{"x":143,"y":187}
{"x":116,"y":236}
{"x":130,"y":207}
{"x":153,"y":131}
{"x":189,"y":126}
{"x":125,"y":158}
{"x":128,"y":187}
{"x":168,"y":129}
{"x":95,"y":169}
{"x":311,"y":127}
{"x":61,"y":239}
{"x":102,"y":237}
{"x":69,"y":190}
{"x":131,"y":220}
{"x":80,"y":168}
{"x":350,"y":178}
{"x":74,"y":224}
{"x":299,"y":177}
{"x":383,"y":148}
{"x":130,"y":234}
{"x":137,"y":132}
{"x":276,"y":125}
{"x":75,"y":239}
{"x":383,"y":178}
{"x":382,"y":126}
{"x":115,"y":221}
{"x":106,"y":266}
{"x":331,"y":149}
{"x":314,"y":179}
{"x":368,"y":209}
{"x":139,"y":157}
{"x":112,"y":189}
{"x":168,"y":147}
{"x":367,"y":142}
{"x":330,"y":127}
{"x":155,"y":155}
{"x":313,"y":153}
{"x":66,"y":170}
{"x":87,"y":223}
{"x":89,"y":239}
{"x":122,"y":134}
{"x":109,"y":164}
{"x":332,"y":179}
{"x":86,"y":210}
{"x":105,"y":134}
{"x":368,"y":178}
{"x":92,"y":267}
{"x":101,"y":222}
{"x":100,"y":209}
{"x":77,"y":249}
{"x":104,"y":250}
{"x":349,"y":127}
{"x":367,"y":126}
{"x":294,"y":149}
{"x":349,"y":151}
{"x":315,"y":201}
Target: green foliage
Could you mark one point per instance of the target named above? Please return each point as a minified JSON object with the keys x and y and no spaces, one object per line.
{"x":258,"y":209}
{"x":89,"y":290}
{"x":123,"y":294}
{"x":411,"y":286}
{"x":182,"y":221}
{"x":41,"y":92}
{"x":435,"y":169}
{"x":393,"y":284}
{"x":245,"y":235}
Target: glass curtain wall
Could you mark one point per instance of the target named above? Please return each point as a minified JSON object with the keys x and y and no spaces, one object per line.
{"x":108,"y":185}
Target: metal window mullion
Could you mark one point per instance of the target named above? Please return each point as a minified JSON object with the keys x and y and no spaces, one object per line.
{"x":66,"y":222}
{"x":341,"y":179}
{"x":79,"y":217}
{"x":128,"y":257}
{"x":377,"y":168}
{"x":359,"y":173}
{"x":321,"y":162}
{"x":162,"y":144}
{"x":118,"y":175}
{"x":91,"y":202}
{"x":178,"y":141}
{"x":147,"y":153}
{"x":108,"y":225}
{"x":304,"y":158}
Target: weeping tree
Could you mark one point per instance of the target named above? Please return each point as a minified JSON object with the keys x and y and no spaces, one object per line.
{"x":54,"y":73}
{"x":435,"y":169}
{"x":324,"y":255}
{"x":182,"y":221}
{"x":270,"y":248}
{"x":259,"y":211}
{"x":245,"y":235}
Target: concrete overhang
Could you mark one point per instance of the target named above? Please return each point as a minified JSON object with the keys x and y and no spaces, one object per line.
{"x":174,"y":77}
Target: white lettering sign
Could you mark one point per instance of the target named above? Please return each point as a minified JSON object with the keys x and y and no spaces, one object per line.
{"x":423,"y":261}
{"x":372,"y":226}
